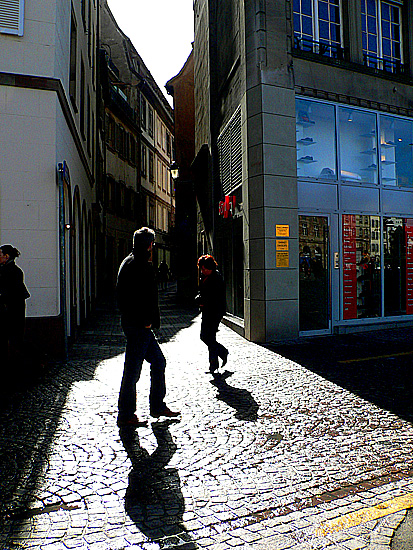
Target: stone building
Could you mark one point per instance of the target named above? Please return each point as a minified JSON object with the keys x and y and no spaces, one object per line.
{"x":137,"y":132}
{"x":303,"y":143}
{"x":48,"y":84}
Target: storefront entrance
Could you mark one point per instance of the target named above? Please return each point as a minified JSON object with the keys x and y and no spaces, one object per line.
{"x":314,"y":273}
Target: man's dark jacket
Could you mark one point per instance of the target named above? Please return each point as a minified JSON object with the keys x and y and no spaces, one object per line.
{"x":137,"y":291}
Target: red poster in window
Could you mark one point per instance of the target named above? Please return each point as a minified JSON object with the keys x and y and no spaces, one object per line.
{"x":409,"y":266}
{"x":349,"y":267}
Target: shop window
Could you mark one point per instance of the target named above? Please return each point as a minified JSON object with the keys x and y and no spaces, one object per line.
{"x":396,"y":151}
{"x":315,"y":136}
{"x":317,"y":26}
{"x":398,"y":266}
{"x":381,"y":35}
{"x":361,"y":269}
{"x":358,"y":145}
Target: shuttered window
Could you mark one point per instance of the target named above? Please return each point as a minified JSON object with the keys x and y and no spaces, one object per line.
{"x":230,"y":154}
{"x":12,"y":16}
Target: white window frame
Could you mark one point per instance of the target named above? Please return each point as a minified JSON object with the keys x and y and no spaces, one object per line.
{"x":12,"y":17}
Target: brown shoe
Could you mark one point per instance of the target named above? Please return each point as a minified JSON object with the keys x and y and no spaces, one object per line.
{"x":132,"y":421}
{"x":165,"y":412}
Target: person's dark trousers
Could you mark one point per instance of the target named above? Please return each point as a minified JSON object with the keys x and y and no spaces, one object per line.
{"x":141,"y":345}
{"x":209,"y":329}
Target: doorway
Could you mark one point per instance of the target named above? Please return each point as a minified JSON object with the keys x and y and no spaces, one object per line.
{"x":314,"y":275}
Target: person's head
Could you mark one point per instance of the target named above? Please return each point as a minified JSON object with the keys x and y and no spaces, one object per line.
{"x":207,"y":264}
{"x":143,"y":239}
{"x":8,"y":252}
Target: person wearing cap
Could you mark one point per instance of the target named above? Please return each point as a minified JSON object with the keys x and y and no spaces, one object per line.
{"x":137,"y":294}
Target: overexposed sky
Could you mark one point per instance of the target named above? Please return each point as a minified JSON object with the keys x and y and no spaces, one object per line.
{"x":162,"y":32}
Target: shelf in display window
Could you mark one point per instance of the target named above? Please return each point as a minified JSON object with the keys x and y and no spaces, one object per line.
{"x":306,"y":141}
{"x":306,"y":160}
{"x":388,"y":145}
{"x":388,"y":179}
{"x":371,"y":168}
{"x":369,"y":152}
{"x":388,"y":162}
{"x":371,"y":134}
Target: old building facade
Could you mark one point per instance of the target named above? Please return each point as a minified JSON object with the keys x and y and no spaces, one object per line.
{"x":137,"y":137}
{"x":304,"y":118}
{"x":48,"y":83}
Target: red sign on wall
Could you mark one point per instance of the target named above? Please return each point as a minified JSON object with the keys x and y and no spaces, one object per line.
{"x":227,"y":206}
{"x":349,"y":267}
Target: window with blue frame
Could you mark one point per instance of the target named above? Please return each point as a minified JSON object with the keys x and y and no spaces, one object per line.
{"x":381,"y":35}
{"x":317,"y":26}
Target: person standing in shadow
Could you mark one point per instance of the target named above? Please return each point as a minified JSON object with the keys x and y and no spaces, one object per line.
{"x":13,"y":296}
{"x":212,"y":303}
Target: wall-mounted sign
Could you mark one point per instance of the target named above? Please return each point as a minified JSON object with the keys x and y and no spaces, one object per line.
{"x":282,"y":258}
{"x":282,"y":230}
{"x":281,"y":244}
{"x":227,"y":206}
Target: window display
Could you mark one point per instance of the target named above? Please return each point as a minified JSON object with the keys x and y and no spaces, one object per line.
{"x":361,"y":266}
{"x":316,"y":150}
{"x":396,"y":151}
{"x":358,"y":145}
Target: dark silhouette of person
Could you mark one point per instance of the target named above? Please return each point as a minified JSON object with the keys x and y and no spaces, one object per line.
{"x":13,"y":296}
{"x":137,"y":293}
{"x":211,"y":300}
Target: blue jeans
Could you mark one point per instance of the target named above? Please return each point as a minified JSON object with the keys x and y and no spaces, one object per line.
{"x":209,"y":329}
{"x":141,"y":345}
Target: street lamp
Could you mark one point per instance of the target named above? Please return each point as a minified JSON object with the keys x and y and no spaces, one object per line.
{"x":174,"y":168}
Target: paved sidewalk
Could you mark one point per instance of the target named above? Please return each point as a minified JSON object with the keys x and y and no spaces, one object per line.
{"x":284,"y":450}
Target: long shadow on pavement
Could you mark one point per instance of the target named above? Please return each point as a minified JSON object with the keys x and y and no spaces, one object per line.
{"x":377,"y":365}
{"x":238,"y":398}
{"x":31,"y":406}
{"x":154,"y":499}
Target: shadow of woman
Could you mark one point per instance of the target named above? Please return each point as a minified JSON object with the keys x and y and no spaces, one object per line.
{"x":154,"y":499}
{"x":239,"y":399}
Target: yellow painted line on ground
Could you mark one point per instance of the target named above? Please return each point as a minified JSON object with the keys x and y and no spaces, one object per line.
{"x":376,"y":357}
{"x":366,"y":514}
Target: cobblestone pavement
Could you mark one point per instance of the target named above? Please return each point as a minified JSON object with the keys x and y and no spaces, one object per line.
{"x":300,"y":446}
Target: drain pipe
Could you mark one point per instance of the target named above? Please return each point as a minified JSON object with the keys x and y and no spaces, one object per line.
{"x":61,"y":173}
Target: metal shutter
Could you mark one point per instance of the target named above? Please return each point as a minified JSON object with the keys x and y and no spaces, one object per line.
{"x":11,"y":16}
{"x":230,"y":154}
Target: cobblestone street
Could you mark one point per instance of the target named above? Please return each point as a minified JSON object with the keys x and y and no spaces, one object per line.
{"x":299,"y":446}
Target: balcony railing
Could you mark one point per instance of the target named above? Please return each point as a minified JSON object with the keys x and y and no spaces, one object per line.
{"x":384,"y":64}
{"x":326,"y":49}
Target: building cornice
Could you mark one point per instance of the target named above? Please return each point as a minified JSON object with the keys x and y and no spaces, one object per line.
{"x":52,"y":85}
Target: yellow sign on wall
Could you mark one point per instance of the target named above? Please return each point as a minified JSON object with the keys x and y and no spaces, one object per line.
{"x":282,"y":230}
{"x":282,"y":258}
{"x":281,"y":244}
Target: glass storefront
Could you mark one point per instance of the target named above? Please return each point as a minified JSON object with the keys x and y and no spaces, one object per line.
{"x":355,"y":166}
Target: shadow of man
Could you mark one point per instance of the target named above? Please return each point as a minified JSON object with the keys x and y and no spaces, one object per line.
{"x":239,"y":399}
{"x":154,"y":499}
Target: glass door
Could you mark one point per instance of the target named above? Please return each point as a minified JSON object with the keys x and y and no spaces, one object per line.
{"x":314,"y":273}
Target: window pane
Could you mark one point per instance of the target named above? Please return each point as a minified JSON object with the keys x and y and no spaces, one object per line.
{"x":358,"y":154}
{"x":394,"y":248}
{"x":316,"y":148}
{"x":396,"y":151}
{"x":361,"y":267}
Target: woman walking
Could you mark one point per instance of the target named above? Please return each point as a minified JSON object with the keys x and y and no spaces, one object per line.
{"x":211,"y":300}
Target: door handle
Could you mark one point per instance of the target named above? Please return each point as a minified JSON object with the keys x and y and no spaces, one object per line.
{"x":336,"y":260}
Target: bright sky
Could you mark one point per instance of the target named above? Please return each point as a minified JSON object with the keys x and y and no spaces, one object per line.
{"x":162,"y":32}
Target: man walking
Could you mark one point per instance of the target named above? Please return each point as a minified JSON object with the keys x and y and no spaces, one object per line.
{"x":137,"y":294}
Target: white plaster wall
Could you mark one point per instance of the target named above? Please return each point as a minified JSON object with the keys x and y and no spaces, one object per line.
{"x":28,"y":191}
{"x":34,"y":52}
